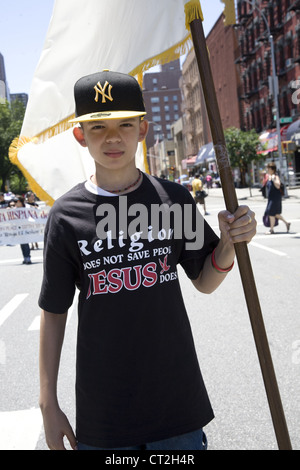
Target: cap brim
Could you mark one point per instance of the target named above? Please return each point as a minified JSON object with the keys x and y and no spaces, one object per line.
{"x":101,"y":116}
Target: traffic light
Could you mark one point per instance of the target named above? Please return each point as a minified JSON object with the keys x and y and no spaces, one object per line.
{"x":229,"y":12}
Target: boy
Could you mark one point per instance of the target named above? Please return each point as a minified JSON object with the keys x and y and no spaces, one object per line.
{"x":138,"y":382}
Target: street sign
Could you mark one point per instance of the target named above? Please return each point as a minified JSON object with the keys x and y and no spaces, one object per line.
{"x":286,"y":120}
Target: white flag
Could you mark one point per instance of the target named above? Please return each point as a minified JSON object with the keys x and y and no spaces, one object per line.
{"x":128,"y":36}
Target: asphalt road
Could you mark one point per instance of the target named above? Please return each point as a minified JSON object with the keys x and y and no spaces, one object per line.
{"x":222,"y":333}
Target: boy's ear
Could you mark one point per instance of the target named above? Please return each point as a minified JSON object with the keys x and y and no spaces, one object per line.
{"x":144,"y":126}
{"x":79,"y":136}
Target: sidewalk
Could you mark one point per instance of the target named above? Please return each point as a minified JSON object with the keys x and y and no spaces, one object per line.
{"x":244,"y":193}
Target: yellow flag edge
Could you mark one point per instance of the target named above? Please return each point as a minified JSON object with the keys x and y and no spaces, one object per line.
{"x":192,"y":11}
{"x":14,"y":148}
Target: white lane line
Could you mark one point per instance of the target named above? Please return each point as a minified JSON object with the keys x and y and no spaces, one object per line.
{"x":20,"y":430}
{"x":35,"y":325}
{"x":11,"y":306}
{"x":276,"y":235}
{"x":266,"y":248}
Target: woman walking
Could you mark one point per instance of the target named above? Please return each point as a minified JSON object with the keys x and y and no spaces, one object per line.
{"x":274,"y":206}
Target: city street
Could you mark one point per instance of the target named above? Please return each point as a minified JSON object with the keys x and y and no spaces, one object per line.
{"x":222,"y":333}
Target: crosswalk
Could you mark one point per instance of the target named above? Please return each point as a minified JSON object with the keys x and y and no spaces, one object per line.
{"x":11,"y":306}
{"x":16,"y":301}
{"x":21,"y":429}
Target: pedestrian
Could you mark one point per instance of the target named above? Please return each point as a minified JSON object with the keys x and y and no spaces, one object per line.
{"x":18,"y":202}
{"x":198,"y":192}
{"x":30,"y":200}
{"x":208,"y":180}
{"x":3,"y":202}
{"x":138,"y":381}
{"x":274,"y":206}
{"x":263,"y":188}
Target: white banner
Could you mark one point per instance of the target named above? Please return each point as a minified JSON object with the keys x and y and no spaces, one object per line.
{"x":22,"y":225}
{"x":128,"y":36}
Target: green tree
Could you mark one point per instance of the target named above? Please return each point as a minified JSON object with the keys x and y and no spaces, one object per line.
{"x":242,"y":149}
{"x":11,"y":119}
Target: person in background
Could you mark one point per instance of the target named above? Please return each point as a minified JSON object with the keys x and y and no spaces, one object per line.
{"x":198,"y":193}
{"x":3,"y":203}
{"x":274,"y":206}
{"x":19,"y":201}
{"x":30,"y":201}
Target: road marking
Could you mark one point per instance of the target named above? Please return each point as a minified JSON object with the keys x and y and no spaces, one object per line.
{"x":11,"y":306}
{"x":35,"y":325}
{"x":266,"y":248}
{"x":20,"y":430}
{"x":276,"y":235}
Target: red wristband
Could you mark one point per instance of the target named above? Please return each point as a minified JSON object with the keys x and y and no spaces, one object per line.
{"x":216,"y":267}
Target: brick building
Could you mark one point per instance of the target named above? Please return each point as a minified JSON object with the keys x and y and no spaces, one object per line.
{"x":254,"y":59}
{"x":162,"y":101}
{"x":222,"y":43}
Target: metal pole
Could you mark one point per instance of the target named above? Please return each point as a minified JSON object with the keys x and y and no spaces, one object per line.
{"x":241,"y":249}
{"x":276,"y":103}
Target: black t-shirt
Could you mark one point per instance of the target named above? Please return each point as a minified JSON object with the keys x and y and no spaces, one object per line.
{"x":137,"y":378}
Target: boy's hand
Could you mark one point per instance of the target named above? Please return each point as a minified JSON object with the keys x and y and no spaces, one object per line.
{"x":56,"y":427}
{"x":237,"y":227}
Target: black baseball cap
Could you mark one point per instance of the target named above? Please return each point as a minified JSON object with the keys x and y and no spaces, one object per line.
{"x":107,"y":95}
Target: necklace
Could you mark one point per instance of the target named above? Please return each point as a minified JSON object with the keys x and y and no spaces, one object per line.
{"x":116,"y":191}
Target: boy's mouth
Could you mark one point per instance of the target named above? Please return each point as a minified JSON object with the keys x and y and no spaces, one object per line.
{"x":114,"y":153}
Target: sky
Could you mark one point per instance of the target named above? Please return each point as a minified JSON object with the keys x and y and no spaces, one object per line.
{"x":23,"y":29}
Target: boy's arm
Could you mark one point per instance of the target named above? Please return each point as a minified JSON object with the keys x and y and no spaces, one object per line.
{"x":239,"y":227}
{"x":51,"y":339}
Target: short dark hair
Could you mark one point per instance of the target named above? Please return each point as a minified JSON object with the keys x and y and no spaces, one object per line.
{"x":272,"y":166}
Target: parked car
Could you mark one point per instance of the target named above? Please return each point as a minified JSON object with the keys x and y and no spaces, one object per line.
{"x":187,"y":183}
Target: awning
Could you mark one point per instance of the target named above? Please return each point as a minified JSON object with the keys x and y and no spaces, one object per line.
{"x":293,"y":132}
{"x":269,"y":142}
{"x":191,"y":161}
{"x":188,"y":162}
{"x":207,"y":152}
{"x":269,"y":138}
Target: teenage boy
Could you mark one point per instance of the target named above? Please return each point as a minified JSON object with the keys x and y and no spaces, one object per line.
{"x":138,"y":382}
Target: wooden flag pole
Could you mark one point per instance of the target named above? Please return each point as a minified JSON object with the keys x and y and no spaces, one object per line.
{"x":241,"y":249}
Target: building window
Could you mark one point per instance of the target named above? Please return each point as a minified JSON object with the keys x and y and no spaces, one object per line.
{"x":154,"y":99}
{"x":175,"y":98}
{"x":156,"y":118}
{"x":155,"y":109}
{"x":166,"y":99}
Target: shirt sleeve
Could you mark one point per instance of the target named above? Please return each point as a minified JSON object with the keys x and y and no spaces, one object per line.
{"x":60,"y":268}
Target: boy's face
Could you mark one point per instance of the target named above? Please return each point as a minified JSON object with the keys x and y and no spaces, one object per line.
{"x":112,"y":143}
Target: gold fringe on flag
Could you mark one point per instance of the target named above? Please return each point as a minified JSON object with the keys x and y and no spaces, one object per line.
{"x":193,"y":11}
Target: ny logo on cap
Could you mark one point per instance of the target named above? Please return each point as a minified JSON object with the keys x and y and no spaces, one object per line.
{"x":101,"y":91}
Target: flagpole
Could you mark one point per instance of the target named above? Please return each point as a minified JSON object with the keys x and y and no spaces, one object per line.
{"x":241,"y":249}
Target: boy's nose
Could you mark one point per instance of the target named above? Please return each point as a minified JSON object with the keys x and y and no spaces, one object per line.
{"x":113,"y":136}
